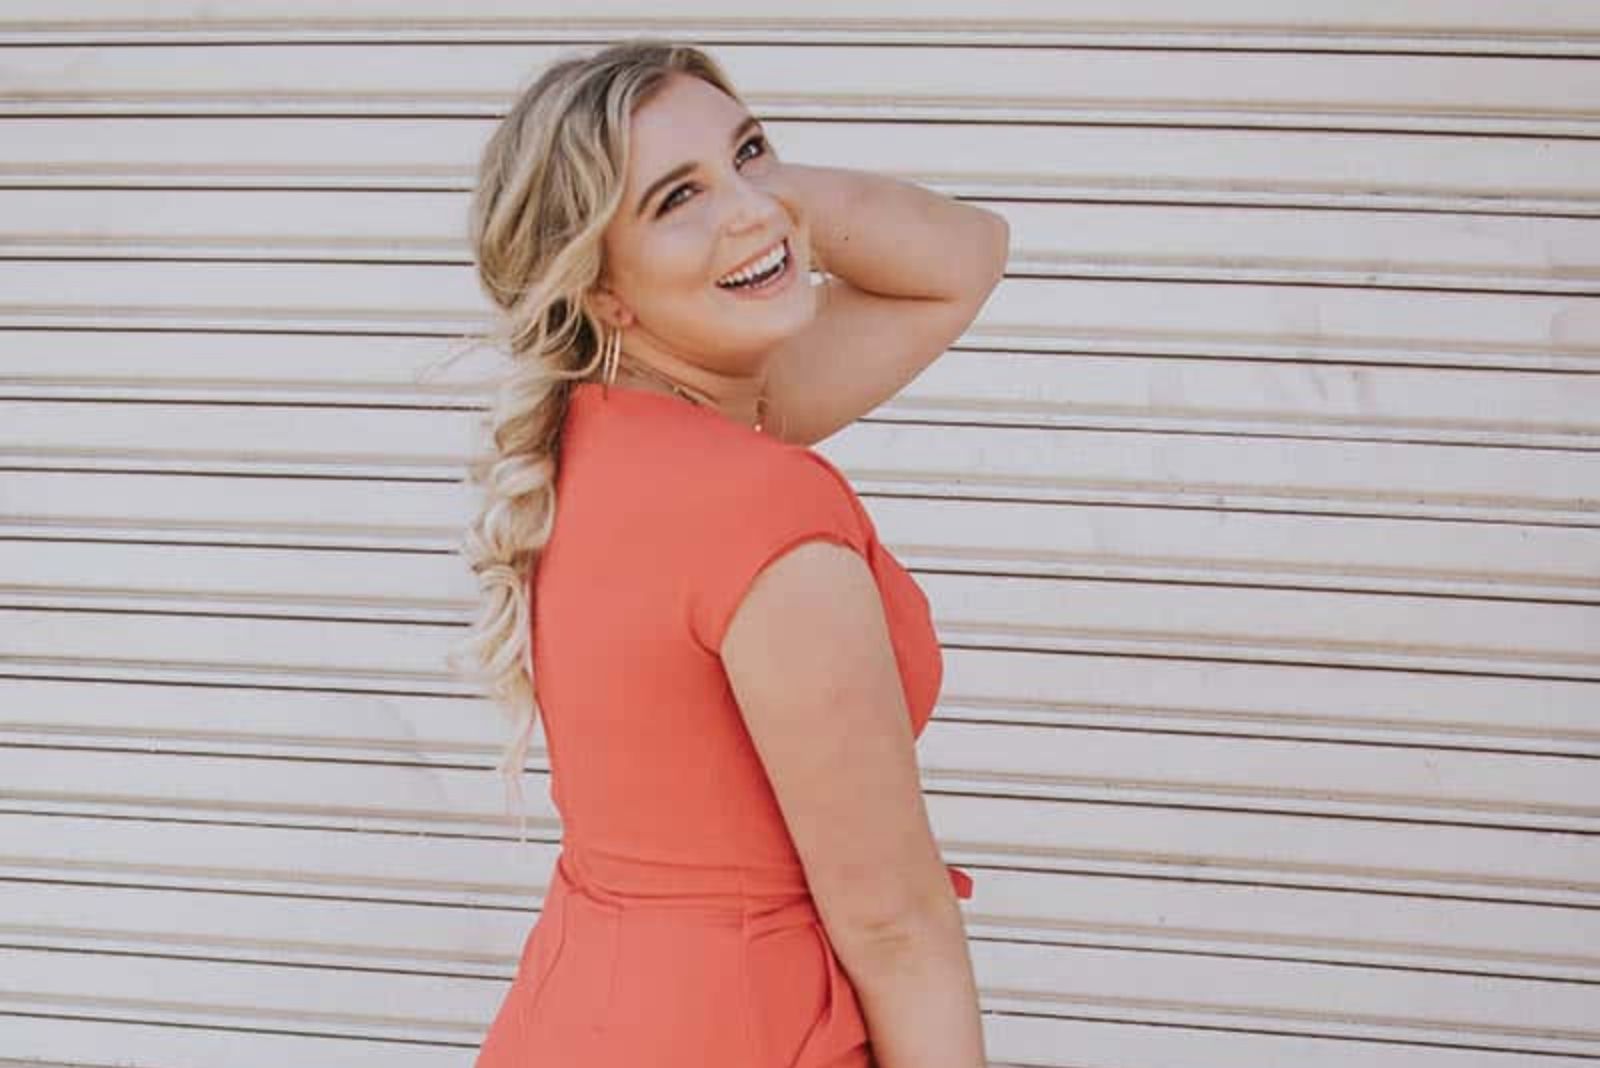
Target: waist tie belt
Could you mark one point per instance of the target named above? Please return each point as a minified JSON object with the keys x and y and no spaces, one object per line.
{"x":765,"y":900}
{"x":628,"y":881}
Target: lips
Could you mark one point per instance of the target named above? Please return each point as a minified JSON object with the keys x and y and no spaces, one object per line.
{"x":753,"y":259}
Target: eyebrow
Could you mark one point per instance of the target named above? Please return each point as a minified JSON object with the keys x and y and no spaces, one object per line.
{"x":685,"y":168}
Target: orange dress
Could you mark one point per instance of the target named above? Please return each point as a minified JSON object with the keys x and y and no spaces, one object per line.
{"x":678,"y":930}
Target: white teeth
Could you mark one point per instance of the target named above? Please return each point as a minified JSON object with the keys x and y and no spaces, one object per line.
{"x":765,"y":263}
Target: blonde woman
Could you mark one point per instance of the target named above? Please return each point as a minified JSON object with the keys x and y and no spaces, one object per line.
{"x":731,"y":670}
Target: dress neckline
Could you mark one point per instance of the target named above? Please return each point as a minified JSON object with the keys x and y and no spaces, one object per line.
{"x":598,"y":389}
{"x":588,"y":388}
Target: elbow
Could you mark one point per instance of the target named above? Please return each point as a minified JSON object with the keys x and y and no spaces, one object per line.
{"x":887,"y":914}
{"x":984,"y":241}
{"x":934,"y":919}
{"x":992,"y":252}
{"x":1002,"y":244}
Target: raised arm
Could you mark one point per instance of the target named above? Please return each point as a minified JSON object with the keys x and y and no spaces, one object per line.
{"x":909,"y":271}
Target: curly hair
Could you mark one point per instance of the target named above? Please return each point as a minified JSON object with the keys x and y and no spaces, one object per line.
{"x":550,"y":179}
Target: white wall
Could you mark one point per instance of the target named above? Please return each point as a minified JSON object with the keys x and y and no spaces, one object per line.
{"x":1258,"y":511}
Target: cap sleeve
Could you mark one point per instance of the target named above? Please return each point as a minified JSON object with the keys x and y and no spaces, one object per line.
{"x":793,"y":496}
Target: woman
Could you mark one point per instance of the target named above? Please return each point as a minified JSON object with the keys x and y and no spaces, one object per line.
{"x":748,"y":877}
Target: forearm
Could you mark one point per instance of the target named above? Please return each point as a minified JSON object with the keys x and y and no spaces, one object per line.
{"x":918,"y":993}
{"x":897,"y":238}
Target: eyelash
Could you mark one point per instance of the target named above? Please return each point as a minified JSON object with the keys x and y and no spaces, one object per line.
{"x":668,"y":203}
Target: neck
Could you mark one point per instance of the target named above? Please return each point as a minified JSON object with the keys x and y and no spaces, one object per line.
{"x":742,"y":400}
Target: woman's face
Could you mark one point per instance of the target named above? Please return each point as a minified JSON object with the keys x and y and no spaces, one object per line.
{"x":693,"y":210}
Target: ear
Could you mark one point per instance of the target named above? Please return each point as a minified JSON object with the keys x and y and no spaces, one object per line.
{"x":607,"y":307}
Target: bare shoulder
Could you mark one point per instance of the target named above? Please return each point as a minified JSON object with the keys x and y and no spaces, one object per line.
{"x":811,"y":664}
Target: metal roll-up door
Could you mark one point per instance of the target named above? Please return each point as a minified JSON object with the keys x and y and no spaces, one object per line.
{"x":1258,"y":511}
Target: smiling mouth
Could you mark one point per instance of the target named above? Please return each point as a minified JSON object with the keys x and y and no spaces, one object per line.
{"x":776,"y":262}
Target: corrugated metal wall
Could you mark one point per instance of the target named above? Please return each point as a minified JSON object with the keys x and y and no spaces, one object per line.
{"x":1258,"y":511}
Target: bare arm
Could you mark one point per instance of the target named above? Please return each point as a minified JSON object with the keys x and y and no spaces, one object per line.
{"x":910,"y":270}
{"x":810,"y":661}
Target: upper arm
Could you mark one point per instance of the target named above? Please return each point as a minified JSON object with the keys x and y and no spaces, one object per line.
{"x":861,"y":348}
{"x":809,"y":658}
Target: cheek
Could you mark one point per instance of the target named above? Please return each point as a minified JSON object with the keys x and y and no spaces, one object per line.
{"x":678,"y":257}
{"x":670,"y":278}
{"x":662,"y":256}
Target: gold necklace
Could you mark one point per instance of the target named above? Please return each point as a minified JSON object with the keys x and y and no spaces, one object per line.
{"x":688,"y":393}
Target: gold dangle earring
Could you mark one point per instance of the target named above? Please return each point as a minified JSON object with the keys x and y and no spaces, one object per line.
{"x":611,"y":358}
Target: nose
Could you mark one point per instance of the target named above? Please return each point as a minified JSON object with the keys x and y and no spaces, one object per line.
{"x":753,"y":209}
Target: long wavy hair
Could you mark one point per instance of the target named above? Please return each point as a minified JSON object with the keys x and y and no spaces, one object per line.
{"x":550,"y":179}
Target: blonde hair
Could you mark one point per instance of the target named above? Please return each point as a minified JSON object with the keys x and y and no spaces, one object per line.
{"x":550,"y":179}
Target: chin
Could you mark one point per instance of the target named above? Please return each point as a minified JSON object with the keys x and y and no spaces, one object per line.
{"x":762,"y":328}
{"x":783,"y":328}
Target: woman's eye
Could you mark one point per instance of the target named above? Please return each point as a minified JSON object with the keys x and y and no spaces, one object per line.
{"x":758,"y":139}
{"x":672,"y":200}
